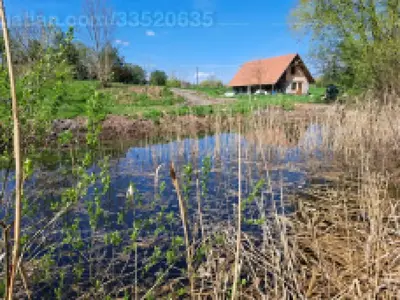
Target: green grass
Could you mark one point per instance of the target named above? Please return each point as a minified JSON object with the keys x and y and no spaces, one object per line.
{"x":243,"y":105}
{"x":77,"y":94}
{"x":128,"y":103}
{"x":123,"y":101}
{"x":120,"y":100}
{"x":219,"y":92}
{"x":73,"y":103}
{"x":317,"y":91}
{"x":212,"y":92}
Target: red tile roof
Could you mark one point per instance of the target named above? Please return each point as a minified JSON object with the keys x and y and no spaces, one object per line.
{"x":263,"y":71}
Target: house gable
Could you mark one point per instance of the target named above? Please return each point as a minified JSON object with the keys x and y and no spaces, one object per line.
{"x":268,"y":71}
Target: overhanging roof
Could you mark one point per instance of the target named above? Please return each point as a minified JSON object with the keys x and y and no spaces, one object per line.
{"x":265,"y":71}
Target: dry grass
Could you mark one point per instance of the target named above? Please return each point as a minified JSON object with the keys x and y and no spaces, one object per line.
{"x":343,"y":238}
{"x":340,"y":242}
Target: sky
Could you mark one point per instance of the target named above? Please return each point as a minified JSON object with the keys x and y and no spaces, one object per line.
{"x":179,"y":36}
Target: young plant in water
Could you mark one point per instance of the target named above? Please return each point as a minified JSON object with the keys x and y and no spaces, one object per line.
{"x":246,"y":203}
{"x":187,"y":181}
{"x":205,"y":176}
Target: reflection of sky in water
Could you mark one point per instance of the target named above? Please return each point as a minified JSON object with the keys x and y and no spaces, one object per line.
{"x":139,"y":166}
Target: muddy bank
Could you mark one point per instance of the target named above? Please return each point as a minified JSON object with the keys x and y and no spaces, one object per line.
{"x":121,"y":127}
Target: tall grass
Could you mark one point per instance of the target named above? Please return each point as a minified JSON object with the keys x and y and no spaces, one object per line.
{"x":336,"y":237}
{"x":341,"y":241}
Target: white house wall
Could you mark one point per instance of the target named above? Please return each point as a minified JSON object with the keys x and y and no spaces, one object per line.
{"x":299,"y":76}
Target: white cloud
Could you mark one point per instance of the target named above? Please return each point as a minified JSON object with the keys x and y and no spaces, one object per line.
{"x":150,"y":33}
{"x":203,"y":75}
{"x":121,"y":42}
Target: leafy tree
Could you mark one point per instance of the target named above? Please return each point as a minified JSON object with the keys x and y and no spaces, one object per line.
{"x":212,"y":82}
{"x":139,"y":74}
{"x":128,"y":73}
{"x":35,"y":50}
{"x":358,"y":40}
{"x":158,"y":78}
{"x":72,"y":53}
{"x":173,"y":82}
{"x":86,"y":67}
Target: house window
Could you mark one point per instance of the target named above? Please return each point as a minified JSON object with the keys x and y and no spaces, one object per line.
{"x":294,"y":86}
{"x":293,"y":70}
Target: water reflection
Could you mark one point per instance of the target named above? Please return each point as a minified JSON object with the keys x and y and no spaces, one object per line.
{"x":273,"y":154}
{"x":281,"y":165}
{"x":276,"y":157}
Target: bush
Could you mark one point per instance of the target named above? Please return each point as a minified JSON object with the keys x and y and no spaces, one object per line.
{"x":129,"y":74}
{"x":287,"y":105}
{"x":166,"y":92}
{"x":212,"y":83}
{"x":153,"y":115}
{"x":174,"y":83}
{"x":158,"y":78}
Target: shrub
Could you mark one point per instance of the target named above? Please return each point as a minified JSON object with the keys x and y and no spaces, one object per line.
{"x":128,"y":73}
{"x":174,"y":83}
{"x":158,"y":78}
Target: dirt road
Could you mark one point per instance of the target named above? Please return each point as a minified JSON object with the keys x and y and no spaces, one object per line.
{"x":195,"y":98}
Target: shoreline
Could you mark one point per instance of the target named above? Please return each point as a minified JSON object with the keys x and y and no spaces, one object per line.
{"x":116,"y":126}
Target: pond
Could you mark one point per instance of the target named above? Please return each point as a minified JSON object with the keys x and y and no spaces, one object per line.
{"x":128,"y":223}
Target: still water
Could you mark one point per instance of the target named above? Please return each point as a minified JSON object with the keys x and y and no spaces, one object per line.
{"x":92,"y":238}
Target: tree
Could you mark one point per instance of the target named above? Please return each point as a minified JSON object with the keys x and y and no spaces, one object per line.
{"x":158,"y":78}
{"x":139,"y":74}
{"x":258,"y":72}
{"x":359,"y":40}
{"x":100,"y":32}
{"x":74,"y":53}
{"x":128,"y":73}
{"x":30,"y":41}
{"x":40,"y":93}
{"x":212,"y":82}
{"x":85,"y":67}
{"x":174,"y":82}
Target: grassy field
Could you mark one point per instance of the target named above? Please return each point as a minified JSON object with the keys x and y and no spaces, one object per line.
{"x":155,"y":102}
{"x":212,"y":92}
{"x":219,"y":92}
{"x":122,"y":100}
{"x":77,"y":94}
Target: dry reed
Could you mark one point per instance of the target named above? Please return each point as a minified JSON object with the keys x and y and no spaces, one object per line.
{"x":339,"y":242}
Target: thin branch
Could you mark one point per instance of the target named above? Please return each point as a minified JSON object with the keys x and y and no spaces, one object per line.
{"x":239,"y":220}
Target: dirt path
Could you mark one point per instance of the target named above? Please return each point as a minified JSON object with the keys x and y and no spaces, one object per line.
{"x":194,"y":98}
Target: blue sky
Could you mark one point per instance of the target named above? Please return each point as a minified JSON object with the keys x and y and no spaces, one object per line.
{"x":217,"y":36}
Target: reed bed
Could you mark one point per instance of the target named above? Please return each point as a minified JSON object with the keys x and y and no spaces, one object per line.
{"x":319,"y":214}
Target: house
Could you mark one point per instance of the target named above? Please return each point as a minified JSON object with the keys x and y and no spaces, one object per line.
{"x":285,"y":74}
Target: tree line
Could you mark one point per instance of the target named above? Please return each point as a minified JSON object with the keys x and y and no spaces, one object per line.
{"x":90,"y":61}
{"x":106,"y":66}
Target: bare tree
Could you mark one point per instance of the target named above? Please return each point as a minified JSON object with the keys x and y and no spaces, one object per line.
{"x":100,"y":30}
{"x":29,"y":39}
{"x":259,"y":73}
